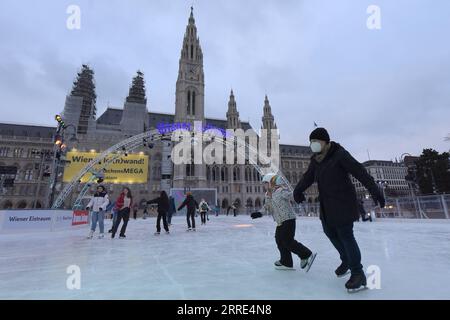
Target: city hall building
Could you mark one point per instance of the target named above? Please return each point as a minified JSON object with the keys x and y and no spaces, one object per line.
{"x":29,"y":147}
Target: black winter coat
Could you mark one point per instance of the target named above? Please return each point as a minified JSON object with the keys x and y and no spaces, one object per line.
{"x":337,"y":195}
{"x":190,"y":203}
{"x":163,"y":204}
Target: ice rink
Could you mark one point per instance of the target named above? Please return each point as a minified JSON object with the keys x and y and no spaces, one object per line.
{"x":229,"y":258}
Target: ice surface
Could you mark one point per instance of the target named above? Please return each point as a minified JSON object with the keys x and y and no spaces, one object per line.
{"x":229,"y":258}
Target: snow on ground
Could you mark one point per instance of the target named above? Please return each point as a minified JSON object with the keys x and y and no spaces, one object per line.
{"x":229,"y":258}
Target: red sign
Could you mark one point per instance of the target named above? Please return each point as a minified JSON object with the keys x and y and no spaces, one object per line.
{"x":80,"y":217}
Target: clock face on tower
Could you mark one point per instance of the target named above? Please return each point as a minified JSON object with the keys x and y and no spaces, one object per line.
{"x":193,"y":72}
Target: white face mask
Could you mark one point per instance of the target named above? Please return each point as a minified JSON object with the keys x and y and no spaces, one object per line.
{"x":316,"y":147}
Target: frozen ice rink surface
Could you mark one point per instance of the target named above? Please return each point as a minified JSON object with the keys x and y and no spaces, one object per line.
{"x":229,"y":258}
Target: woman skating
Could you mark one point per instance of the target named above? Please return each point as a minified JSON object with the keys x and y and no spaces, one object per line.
{"x":123,"y":206}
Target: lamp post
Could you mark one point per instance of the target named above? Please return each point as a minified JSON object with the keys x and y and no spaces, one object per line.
{"x":59,"y":149}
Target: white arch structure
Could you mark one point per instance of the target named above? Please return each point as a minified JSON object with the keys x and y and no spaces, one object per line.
{"x":132,"y":143}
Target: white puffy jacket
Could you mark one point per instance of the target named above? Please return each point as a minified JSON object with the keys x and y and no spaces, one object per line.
{"x":279,"y":205}
{"x":99,"y":200}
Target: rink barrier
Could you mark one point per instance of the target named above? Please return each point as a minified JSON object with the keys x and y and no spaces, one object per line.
{"x":23,"y":221}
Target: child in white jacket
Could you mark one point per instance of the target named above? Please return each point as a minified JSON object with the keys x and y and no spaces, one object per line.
{"x":277,"y":202}
{"x":98,"y":204}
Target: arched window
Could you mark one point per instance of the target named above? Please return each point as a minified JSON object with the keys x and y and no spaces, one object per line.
{"x":222,"y":174}
{"x":7,"y":205}
{"x":208,"y":173}
{"x":236,"y":174}
{"x":193,"y":103}
{"x":258,"y":203}
{"x":192,"y":50}
{"x":189,"y":102}
{"x":21,"y":205}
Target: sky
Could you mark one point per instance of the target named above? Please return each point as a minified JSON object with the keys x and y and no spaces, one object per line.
{"x":379,"y":92}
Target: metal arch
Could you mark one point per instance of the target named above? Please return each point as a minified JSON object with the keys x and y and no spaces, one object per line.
{"x":129,"y":144}
{"x":134,"y":142}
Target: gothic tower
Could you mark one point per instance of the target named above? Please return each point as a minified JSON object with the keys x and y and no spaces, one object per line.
{"x":135,"y":113}
{"x":190,"y":87}
{"x":268,"y":122}
{"x":189,"y":102}
{"x":233,"y":121}
{"x":79,"y":109}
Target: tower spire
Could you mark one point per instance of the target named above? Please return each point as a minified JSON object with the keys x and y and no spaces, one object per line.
{"x":190,"y":83}
{"x":233,"y":120}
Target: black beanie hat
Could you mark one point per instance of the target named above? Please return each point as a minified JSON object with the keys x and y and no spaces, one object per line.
{"x":320,"y":134}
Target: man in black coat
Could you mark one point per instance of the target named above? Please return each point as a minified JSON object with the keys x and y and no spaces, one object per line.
{"x":331,"y":166}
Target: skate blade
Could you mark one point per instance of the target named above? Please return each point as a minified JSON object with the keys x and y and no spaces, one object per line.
{"x":343,"y":275}
{"x":362,"y":288}
{"x":310,"y":262}
{"x":283,"y":268}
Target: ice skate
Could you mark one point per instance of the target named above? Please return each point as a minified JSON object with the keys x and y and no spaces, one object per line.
{"x":356,"y":283}
{"x":157,"y":233}
{"x":189,"y":229}
{"x":122,"y":236}
{"x":342,"y":270}
{"x":193,"y":229}
{"x":280,"y":266}
{"x":101,"y":236}
{"x":90,"y":235}
{"x":167,"y":232}
{"x":307,"y":263}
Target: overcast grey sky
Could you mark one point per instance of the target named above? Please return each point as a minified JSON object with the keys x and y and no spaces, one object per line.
{"x":386,"y":91}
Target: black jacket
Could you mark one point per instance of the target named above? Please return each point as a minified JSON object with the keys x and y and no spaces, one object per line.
{"x":163,"y":204}
{"x":337,"y":195}
{"x":190,"y":203}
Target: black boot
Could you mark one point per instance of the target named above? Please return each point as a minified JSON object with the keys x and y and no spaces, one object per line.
{"x":356,"y":282}
{"x":342,"y":270}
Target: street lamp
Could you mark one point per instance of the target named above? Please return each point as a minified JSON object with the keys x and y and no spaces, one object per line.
{"x":59,"y":149}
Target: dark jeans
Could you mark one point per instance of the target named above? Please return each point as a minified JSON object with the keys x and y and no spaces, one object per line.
{"x":158,"y":222}
{"x":169,"y":217}
{"x":345,"y":243}
{"x":125,"y":215}
{"x":134,"y":215}
{"x":284,"y":237}
{"x":192,"y":216}
{"x":203,"y":216}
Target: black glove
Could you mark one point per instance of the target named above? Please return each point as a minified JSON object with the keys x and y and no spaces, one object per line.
{"x":379,"y":199}
{"x":299,"y":197}
{"x":100,"y":209}
{"x":256,"y":215}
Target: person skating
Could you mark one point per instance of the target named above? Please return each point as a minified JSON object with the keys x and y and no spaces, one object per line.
{"x":171,"y":211}
{"x":98,"y":204}
{"x":123,"y":206}
{"x":163,"y":207}
{"x":330,"y":167}
{"x":191,"y":204}
{"x":204,"y":208}
{"x":278,"y":204}
{"x":135,"y":211}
